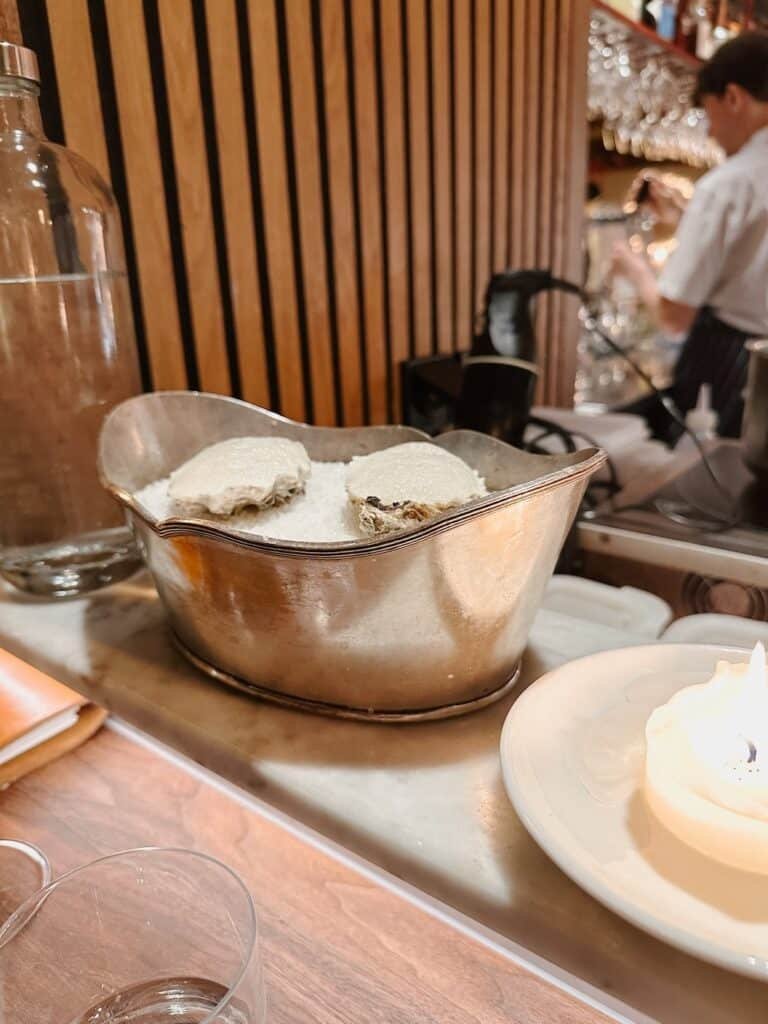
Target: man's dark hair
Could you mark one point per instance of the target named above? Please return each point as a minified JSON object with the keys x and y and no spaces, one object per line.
{"x":743,"y":61}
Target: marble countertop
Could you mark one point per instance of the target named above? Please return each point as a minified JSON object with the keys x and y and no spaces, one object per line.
{"x":425,"y":802}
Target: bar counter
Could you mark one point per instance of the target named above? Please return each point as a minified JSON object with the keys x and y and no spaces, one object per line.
{"x":423,"y":802}
{"x":336,"y":946}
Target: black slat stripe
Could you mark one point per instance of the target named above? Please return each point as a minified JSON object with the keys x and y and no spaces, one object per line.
{"x":492,"y":118}
{"x":217,"y":203}
{"x":457,"y":341}
{"x":431,"y":176}
{"x":293,"y":195}
{"x":530,"y":114}
{"x":353,"y":148}
{"x":513,"y":167}
{"x":550,"y":343}
{"x":472,"y":165}
{"x":378,"y":54}
{"x":542,"y":257}
{"x":325,"y":188}
{"x":33,"y":20}
{"x":408,"y":177}
{"x":168,"y":166}
{"x":254,"y":159}
{"x":102,"y":53}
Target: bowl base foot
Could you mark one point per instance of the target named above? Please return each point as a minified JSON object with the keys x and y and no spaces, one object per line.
{"x":340,"y":711}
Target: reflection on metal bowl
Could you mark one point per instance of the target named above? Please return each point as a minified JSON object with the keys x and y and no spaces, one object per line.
{"x":428,"y":622}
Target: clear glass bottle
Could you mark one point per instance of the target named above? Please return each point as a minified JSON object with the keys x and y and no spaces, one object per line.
{"x":67,"y":352}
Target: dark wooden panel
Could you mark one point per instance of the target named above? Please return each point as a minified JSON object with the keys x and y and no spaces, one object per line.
{"x":270,"y":123}
{"x":520,"y":102}
{"x":442,"y":179}
{"x":76,"y":80}
{"x":313,"y":190}
{"x":234,"y":167}
{"x":573,"y":96}
{"x":340,"y":184}
{"x":306,"y":142}
{"x":531,"y":152}
{"x":193,"y":184}
{"x":368,"y":186}
{"x":502,"y":93}
{"x":421,"y":174}
{"x":462,"y":70}
{"x":544,"y":256}
{"x":396,"y":189}
{"x":482,"y":149}
{"x":10,"y":29}
{"x":138,"y":131}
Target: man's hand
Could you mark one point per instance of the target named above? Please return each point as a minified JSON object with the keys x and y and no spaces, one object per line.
{"x":626,"y":263}
{"x":672,"y":317}
{"x":667,"y":202}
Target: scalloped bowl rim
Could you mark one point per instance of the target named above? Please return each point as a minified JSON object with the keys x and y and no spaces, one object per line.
{"x":592,"y":459}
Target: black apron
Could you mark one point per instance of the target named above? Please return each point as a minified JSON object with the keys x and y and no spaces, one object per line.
{"x":714,"y":353}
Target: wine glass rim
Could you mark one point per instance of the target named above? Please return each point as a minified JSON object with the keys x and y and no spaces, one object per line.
{"x":26,"y":910}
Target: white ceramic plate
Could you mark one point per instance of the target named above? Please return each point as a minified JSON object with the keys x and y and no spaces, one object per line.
{"x":623,"y":608}
{"x":572,"y":752}
{"x":717,"y":629}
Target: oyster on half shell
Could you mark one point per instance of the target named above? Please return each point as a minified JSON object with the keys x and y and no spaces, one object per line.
{"x":243,"y":471}
{"x":408,"y":484}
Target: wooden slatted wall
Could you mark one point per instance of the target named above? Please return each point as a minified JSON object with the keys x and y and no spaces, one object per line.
{"x":313,"y":190}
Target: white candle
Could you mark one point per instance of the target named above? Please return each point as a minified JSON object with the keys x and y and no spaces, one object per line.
{"x":706,"y":771}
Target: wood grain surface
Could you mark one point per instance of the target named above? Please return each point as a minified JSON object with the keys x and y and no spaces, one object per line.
{"x":190,"y":170}
{"x":337,"y":947}
{"x":313,"y":190}
{"x":340,"y":186}
{"x":270,"y":124}
{"x":368,"y":190}
{"x":502,"y":66}
{"x":462,"y":112}
{"x":442,"y":114}
{"x":396,"y":190}
{"x":147,"y":199}
{"x":76,"y":80}
{"x":483,"y":153}
{"x":306,"y":141}
{"x":421,"y":173}
{"x":235,"y":172}
{"x":10,"y":30}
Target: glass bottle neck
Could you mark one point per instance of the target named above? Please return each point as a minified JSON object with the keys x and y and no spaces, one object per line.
{"x":19,"y":107}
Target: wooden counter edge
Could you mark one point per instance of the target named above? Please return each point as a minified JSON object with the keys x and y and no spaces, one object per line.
{"x":333,"y":935}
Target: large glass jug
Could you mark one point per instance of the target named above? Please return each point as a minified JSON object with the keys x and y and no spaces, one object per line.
{"x":67,"y":352}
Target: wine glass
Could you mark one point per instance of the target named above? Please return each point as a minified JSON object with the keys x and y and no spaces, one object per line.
{"x":24,"y":868}
{"x":643,"y":94}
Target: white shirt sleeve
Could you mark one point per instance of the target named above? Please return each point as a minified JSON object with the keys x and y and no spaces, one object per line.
{"x":694,"y":268}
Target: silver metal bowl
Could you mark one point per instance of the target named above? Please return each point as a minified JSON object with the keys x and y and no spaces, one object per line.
{"x":426,"y":623}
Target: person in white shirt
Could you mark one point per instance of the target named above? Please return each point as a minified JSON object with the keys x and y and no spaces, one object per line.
{"x":714,"y":286}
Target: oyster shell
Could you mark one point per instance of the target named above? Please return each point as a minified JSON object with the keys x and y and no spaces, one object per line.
{"x":407,"y":484}
{"x":243,"y":471}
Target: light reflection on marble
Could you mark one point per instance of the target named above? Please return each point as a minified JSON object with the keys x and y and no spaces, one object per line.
{"x":426,"y":802}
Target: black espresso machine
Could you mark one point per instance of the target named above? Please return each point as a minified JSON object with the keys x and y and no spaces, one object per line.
{"x":490,"y":388}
